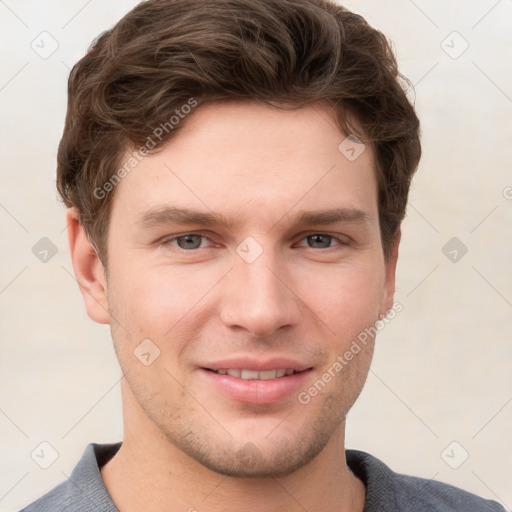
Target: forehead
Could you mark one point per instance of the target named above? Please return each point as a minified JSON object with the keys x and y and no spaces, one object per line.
{"x":246,"y":159}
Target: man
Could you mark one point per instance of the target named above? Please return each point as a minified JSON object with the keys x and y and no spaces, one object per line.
{"x":236,"y":173}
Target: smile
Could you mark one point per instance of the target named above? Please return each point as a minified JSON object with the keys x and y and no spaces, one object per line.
{"x":265,"y":385}
{"x":255,"y":375}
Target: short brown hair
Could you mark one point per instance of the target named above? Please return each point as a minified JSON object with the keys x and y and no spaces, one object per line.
{"x":165,"y":53}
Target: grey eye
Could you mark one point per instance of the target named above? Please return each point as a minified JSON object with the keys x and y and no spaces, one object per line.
{"x":189,"y":241}
{"x":320,"y":241}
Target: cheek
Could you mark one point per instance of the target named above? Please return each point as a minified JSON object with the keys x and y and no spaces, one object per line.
{"x":347,"y":299}
{"x":153,"y":300}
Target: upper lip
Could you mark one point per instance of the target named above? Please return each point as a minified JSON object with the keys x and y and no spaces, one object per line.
{"x":260,"y":365}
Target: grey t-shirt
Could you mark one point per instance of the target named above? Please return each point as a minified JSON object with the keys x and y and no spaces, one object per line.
{"x":386,"y":491}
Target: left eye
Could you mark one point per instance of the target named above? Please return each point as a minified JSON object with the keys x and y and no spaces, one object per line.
{"x":321,"y":240}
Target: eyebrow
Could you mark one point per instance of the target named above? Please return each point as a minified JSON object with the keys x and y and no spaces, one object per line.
{"x":171,"y":215}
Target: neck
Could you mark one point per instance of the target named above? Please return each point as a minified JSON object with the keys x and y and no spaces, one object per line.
{"x":148,"y":461}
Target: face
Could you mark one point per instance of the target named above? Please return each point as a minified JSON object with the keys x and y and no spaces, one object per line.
{"x":249,"y":247}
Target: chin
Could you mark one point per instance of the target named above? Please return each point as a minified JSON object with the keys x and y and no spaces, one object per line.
{"x":277,"y":454}
{"x":249,"y":461}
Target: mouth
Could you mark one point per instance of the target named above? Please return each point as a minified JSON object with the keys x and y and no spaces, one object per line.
{"x":256,"y":383}
{"x":245,"y":374}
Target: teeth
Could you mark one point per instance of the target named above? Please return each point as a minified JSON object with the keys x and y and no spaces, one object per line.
{"x":268,"y":374}
{"x":249,"y":374}
{"x":255,"y":375}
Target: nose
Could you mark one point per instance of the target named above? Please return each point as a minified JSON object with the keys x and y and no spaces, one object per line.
{"x":258,"y":296}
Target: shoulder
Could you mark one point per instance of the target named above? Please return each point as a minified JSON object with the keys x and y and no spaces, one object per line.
{"x":58,"y":499}
{"x":84,"y":489}
{"x":390,"y":491}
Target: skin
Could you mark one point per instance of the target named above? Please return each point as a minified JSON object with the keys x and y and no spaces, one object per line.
{"x":191,"y":446}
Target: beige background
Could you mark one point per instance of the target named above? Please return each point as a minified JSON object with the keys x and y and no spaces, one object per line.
{"x":442,"y":368}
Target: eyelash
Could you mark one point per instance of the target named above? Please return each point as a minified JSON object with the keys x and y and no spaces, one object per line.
{"x":167,"y":241}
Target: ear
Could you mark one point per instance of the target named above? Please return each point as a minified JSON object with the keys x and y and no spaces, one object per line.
{"x":388,"y":291}
{"x":89,"y":270}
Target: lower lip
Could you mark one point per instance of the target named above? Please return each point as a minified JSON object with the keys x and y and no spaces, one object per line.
{"x":254,"y":391}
